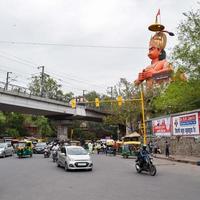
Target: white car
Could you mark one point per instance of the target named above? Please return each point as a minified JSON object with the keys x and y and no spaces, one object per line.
{"x":73,"y":158}
{"x":6,"y":149}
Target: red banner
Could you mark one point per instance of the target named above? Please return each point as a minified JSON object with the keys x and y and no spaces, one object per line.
{"x":162,"y":126}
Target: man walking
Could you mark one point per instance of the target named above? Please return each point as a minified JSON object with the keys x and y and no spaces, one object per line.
{"x":167,"y":149}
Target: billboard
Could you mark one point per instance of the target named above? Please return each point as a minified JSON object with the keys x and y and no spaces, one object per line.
{"x":186,"y":125}
{"x":162,"y":126}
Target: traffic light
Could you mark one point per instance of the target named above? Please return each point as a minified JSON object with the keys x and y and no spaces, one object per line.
{"x":119,"y":100}
{"x":97,"y":103}
{"x":73,"y":103}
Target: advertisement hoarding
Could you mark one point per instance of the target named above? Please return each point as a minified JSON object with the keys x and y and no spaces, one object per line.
{"x":162,"y":127}
{"x":186,"y":125}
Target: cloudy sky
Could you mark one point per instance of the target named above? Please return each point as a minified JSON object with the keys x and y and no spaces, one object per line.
{"x":83,"y":44}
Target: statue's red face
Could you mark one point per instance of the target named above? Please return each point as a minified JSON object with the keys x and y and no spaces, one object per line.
{"x":154,"y":53}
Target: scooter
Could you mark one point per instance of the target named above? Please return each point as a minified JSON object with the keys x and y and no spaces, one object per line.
{"x":47,"y":153}
{"x":147,"y":166}
{"x":54,"y":155}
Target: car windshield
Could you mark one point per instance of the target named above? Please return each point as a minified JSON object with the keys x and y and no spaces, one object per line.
{"x":40,"y":144}
{"x":2,"y":145}
{"x":76,"y":151}
{"x":21,"y":144}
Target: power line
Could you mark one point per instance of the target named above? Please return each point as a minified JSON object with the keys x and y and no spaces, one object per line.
{"x":22,"y":59}
{"x":71,"y":45}
{"x":13,"y":59}
{"x":76,"y":80}
{"x":34,"y":64}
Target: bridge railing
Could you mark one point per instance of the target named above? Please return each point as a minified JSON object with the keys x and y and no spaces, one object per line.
{"x":16,"y":89}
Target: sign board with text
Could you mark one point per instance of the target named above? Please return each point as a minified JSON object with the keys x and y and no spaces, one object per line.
{"x":186,"y":125}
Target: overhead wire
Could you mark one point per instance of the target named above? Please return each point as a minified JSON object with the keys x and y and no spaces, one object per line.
{"x":71,"y":45}
{"x":60,"y":77}
{"x":34,"y":64}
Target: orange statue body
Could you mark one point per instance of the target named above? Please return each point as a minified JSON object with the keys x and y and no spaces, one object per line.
{"x":159,"y":70}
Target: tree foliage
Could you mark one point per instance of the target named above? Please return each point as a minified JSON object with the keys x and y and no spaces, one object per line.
{"x":49,"y":88}
{"x":187,"y":53}
{"x":129,"y":113}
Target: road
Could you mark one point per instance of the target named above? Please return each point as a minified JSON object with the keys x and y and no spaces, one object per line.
{"x":113,"y":178}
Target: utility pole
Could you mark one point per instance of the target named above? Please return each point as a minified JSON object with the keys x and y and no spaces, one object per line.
{"x":42,"y":81}
{"x":111,"y":92}
{"x":111,"y":95}
{"x":7,"y":80}
{"x":84,"y":95}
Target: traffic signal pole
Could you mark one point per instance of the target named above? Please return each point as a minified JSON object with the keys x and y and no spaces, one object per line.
{"x":143,"y":115}
{"x":119,"y":101}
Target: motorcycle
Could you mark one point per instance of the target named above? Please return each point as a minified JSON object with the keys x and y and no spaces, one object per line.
{"x":47,"y":153}
{"x":54,"y":155}
{"x":147,"y":165}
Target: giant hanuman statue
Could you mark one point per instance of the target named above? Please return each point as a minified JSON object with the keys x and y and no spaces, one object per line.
{"x":160,"y":69}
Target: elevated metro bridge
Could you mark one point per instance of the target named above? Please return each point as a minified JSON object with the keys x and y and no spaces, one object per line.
{"x":15,"y":101}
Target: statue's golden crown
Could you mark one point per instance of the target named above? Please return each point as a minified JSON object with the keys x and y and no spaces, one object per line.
{"x":159,"y":40}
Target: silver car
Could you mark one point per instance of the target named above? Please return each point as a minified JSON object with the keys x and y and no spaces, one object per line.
{"x":73,"y":158}
{"x":6,"y":149}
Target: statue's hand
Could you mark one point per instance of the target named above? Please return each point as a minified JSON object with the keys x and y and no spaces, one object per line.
{"x":148,"y":74}
{"x":137,"y":82}
{"x":141,"y":76}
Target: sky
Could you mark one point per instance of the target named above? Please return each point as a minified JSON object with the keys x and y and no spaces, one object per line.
{"x":83,"y":44}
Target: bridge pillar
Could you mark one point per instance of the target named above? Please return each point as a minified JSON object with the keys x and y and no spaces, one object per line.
{"x":63,"y":128}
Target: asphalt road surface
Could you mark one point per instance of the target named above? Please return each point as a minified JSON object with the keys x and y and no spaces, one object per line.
{"x":113,"y":178}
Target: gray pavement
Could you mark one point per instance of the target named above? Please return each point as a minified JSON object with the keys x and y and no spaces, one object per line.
{"x":180,"y":158}
{"x":113,"y":178}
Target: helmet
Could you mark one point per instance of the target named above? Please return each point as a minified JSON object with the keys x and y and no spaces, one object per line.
{"x":144,"y":147}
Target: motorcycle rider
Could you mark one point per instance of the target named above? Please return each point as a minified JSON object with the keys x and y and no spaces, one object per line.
{"x":55,"y":149}
{"x":141,"y":157}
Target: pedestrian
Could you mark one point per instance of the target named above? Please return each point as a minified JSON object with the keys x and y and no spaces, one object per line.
{"x":155,"y":147}
{"x":150,"y":147}
{"x":167,"y":149}
{"x":90,"y":147}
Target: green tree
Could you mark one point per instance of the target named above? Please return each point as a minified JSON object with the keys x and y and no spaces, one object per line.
{"x":130,"y":111}
{"x":15,"y":124}
{"x":2,"y":123}
{"x":50,"y":88}
{"x":45,"y":130}
{"x":187,"y":53}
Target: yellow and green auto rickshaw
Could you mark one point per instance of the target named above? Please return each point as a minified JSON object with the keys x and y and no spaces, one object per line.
{"x":131,"y":144}
{"x":24,"y":148}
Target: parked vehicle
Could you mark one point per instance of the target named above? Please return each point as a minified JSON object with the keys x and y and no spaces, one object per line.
{"x":24,"y":148}
{"x":39,"y":147}
{"x":147,"y":166}
{"x":6,"y":149}
{"x":73,"y":158}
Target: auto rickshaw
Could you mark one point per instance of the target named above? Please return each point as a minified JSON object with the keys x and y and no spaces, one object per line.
{"x":130,"y":148}
{"x":24,"y":148}
{"x":131,"y":144}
